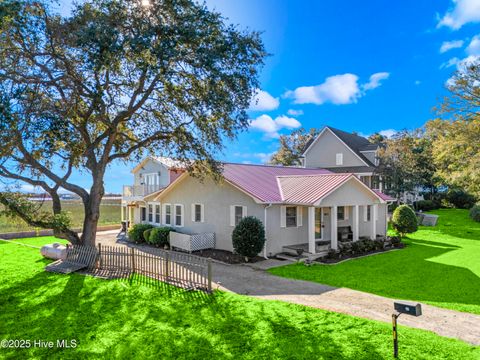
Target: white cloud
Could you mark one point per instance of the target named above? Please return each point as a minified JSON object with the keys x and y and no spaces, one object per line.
{"x":452,"y":62}
{"x":263,"y":101}
{"x":474,"y":47}
{"x":263,"y":157}
{"x":449,"y":45}
{"x":376,"y":80}
{"x":294,"y":112}
{"x":271,"y":127}
{"x":388,"y":133}
{"x":337,"y":89}
{"x":463,"y":12}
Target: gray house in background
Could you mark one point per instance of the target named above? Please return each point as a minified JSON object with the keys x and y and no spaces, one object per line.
{"x":343,"y":152}
{"x":301,"y":208}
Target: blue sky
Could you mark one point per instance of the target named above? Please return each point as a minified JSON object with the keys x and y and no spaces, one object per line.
{"x":362,"y":66}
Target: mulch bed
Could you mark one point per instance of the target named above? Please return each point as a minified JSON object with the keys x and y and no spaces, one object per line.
{"x":326,"y":260}
{"x":226,"y":256}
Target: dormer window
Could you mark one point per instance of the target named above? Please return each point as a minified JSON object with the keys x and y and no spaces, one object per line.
{"x":339,"y":159}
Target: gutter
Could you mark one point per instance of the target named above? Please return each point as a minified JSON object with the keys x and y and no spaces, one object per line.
{"x":266,"y":231}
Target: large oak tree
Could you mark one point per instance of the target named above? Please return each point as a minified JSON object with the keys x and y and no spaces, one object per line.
{"x":115,"y":79}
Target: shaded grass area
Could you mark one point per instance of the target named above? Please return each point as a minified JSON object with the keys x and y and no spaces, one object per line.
{"x":439,"y":266}
{"x":109,"y":214}
{"x":114,"y":319}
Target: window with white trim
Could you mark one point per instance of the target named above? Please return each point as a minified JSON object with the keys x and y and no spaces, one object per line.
{"x":167,"y":214}
{"x":178,"y":215}
{"x":237,"y":213}
{"x":366,"y":213}
{"x":150,"y":213}
{"x":157,"y":213}
{"x":339,"y":159}
{"x":197,"y":213}
{"x":341,"y":213}
{"x":291,"y":216}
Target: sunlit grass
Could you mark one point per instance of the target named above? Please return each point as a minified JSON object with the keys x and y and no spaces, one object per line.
{"x":118,"y":319}
{"x":440,"y":266}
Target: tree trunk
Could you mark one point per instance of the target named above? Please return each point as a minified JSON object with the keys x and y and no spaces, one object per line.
{"x":66,"y":234}
{"x":92,"y":214}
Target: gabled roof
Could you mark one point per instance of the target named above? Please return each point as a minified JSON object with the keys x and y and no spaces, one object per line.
{"x":308,"y":189}
{"x":282,"y":185}
{"x":260,"y":181}
{"x":355,"y":142}
{"x":166,"y":161}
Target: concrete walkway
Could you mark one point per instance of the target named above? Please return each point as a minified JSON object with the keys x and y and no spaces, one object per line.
{"x":255,"y":282}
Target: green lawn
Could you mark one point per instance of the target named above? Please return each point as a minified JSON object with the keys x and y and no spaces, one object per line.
{"x":115,"y":319}
{"x":439,"y":266}
{"x":109,"y":214}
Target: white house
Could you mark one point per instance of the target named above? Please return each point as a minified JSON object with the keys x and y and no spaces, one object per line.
{"x":299,"y":207}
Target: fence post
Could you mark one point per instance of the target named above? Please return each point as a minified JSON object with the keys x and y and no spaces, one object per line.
{"x":132,"y":254}
{"x":99,"y":263}
{"x":167,"y":266}
{"x":209,"y":272}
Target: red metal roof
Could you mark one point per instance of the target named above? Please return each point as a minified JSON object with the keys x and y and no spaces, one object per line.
{"x":383,"y":196}
{"x":260,"y":181}
{"x":308,"y":189}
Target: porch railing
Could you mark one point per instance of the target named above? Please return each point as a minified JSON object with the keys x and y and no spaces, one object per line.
{"x":140,"y":190}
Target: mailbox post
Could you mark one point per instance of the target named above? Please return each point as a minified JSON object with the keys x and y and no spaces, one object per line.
{"x":402,"y":307}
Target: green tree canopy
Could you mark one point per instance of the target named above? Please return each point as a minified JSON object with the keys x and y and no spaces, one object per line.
{"x":292,"y":147}
{"x":456,"y":134}
{"x":405,"y":162}
{"x":112,"y":81}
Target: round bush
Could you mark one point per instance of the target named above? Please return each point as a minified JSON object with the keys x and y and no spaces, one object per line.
{"x":475,"y":213}
{"x":404,"y":220}
{"x":136,"y":232}
{"x":160,"y":236}
{"x":460,"y":199}
{"x":248,"y":237}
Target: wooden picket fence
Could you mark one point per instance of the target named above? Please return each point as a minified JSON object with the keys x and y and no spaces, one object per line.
{"x":179,"y":269}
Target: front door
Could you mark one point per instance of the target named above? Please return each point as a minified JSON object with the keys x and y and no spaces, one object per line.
{"x":318,"y":224}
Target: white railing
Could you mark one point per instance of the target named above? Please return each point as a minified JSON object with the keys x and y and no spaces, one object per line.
{"x":192,"y":242}
{"x":139,"y":190}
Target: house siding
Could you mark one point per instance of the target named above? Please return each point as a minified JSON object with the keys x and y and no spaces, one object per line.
{"x":323,"y":153}
{"x":151,"y":167}
{"x":217,"y":199}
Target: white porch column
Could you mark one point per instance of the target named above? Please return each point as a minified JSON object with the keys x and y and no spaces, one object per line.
{"x":373,"y":221}
{"x":311,"y":230}
{"x":334,"y":230}
{"x":355,"y":222}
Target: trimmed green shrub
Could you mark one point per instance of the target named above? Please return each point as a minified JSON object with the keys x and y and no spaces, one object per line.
{"x":146,"y":234}
{"x":460,"y":199}
{"x":404,"y":220}
{"x":160,"y":236}
{"x":135,"y":234}
{"x":427,"y":205}
{"x":475,"y":213}
{"x":248,"y":237}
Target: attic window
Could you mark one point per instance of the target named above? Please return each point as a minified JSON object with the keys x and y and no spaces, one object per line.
{"x":339,"y":159}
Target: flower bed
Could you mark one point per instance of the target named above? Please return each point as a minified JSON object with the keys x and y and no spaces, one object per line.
{"x":354,"y":249}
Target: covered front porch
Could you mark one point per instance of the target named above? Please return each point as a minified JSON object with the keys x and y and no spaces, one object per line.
{"x":327,"y":226}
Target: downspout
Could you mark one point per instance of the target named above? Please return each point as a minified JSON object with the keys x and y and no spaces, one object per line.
{"x":266,"y":231}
